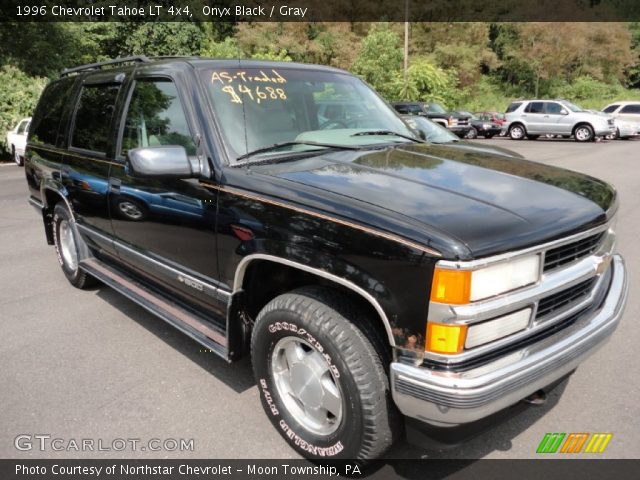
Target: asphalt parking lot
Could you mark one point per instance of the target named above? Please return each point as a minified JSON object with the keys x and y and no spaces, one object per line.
{"x":93,"y":365}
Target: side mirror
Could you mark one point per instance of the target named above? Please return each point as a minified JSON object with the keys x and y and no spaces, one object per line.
{"x":564,"y":112}
{"x":169,"y":161}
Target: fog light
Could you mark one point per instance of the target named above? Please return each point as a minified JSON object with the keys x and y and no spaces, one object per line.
{"x":445,"y":338}
{"x":497,"y":328}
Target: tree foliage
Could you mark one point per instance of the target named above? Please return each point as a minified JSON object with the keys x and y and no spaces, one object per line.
{"x":19,"y":94}
{"x":380,"y":60}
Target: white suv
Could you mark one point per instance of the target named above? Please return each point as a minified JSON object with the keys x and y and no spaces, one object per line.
{"x":627,"y":118}
{"x":532,"y":118}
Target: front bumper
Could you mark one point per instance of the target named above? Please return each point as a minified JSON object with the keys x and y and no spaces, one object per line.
{"x":449,"y":398}
{"x":605,"y":130}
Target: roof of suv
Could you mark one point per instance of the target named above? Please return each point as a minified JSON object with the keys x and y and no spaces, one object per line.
{"x":623,"y":103}
{"x":125,"y":62}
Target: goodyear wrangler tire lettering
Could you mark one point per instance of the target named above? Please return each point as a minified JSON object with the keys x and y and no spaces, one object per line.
{"x":319,"y":368}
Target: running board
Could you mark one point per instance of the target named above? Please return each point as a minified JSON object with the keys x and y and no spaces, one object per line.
{"x":187,"y":322}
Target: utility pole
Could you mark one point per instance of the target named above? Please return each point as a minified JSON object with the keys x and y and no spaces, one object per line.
{"x":406,"y":41}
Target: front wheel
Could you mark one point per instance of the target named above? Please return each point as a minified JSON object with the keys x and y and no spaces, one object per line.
{"x":322,"y":376}
{"x":471,"y":134}
{"x":583,"y":133}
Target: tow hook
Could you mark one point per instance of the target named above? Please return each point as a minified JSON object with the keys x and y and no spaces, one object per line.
{"x":536,"y":398}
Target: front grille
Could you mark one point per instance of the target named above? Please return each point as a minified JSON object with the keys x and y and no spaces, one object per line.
{"x":571,"y":252}
{"x":462,"y":122}
{"x":565,"y":298}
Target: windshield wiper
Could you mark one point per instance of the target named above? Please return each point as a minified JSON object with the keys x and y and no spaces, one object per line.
{"x":387,"y":132}
{"x":277,"y":146}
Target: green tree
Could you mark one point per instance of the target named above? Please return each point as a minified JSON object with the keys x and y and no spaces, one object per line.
{"x":380,"y":60}
{"x":19,"y":94}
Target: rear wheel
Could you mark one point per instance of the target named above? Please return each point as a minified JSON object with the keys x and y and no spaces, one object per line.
{"x":322,"y":376}
{"x":517,"y":132}
{"x":583,"y":133}
{"x":68,"y":245}
{"x":488,"y":135}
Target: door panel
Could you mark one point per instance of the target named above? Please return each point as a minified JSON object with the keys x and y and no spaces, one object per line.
{"x":534,"y":117}
{"x":165,"y":229}
{"x":555,"y":121}
{"x":86,"y":164}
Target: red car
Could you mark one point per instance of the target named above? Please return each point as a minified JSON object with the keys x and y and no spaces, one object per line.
{"x":495,"y":117}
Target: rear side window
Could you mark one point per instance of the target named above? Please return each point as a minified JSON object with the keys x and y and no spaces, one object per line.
{"x":156,"y":118}
{"x":513,"y":107}
{"x":611,"y":108}
{"x":46,"y":119}
{"x":93,"y":117}
{"x":535,"y":107}
{"x":630,"y":109}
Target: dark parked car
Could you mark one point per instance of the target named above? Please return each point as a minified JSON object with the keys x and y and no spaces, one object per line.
{"x":434,"y":133}
{"x":373,"y":278}
{"x":482,"y":128}
{"x":458,"y":123}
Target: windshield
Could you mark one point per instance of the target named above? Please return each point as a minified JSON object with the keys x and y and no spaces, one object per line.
{"x":435,"y":108}
{"x":258,"y":108}
{"x":572,"y":107}
{"x":433,"y":132}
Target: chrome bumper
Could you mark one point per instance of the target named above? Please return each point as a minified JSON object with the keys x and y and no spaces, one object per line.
{"x":449,"y":398}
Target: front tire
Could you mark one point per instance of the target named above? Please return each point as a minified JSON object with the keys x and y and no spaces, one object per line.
{"x":583,"y":133}
{"x":68,"y":245}
{"x":471,"y":134}
{"x":322,"y":376}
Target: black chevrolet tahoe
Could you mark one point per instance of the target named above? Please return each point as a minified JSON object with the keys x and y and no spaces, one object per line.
{"x":375,"y":280}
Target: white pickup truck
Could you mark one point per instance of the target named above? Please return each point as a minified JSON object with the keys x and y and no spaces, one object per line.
{"x":17,"y":139}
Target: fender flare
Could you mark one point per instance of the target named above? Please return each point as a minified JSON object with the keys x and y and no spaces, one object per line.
{"x":246,"y":261}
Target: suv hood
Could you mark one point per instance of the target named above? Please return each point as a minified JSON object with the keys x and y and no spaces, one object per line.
{"x":490,"y":203}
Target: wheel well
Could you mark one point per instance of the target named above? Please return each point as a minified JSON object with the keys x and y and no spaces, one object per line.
{"x":517,"y":124}
{"x":51,"y":197}
{"x":284,"y":278}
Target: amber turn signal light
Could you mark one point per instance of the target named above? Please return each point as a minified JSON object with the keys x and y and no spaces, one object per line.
{"x":451,"y":286}
{"x":445,"y":338}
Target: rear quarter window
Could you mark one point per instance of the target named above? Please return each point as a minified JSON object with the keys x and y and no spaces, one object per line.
{"x":45,"y":125}
{"x":513,"y":107}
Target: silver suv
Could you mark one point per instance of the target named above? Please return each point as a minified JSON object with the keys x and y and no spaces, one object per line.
{"x":532,"y":118}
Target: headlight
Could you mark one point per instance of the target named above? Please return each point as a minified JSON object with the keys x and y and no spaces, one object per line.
{"x":458,"y":287}
{"x":486,"y":126}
